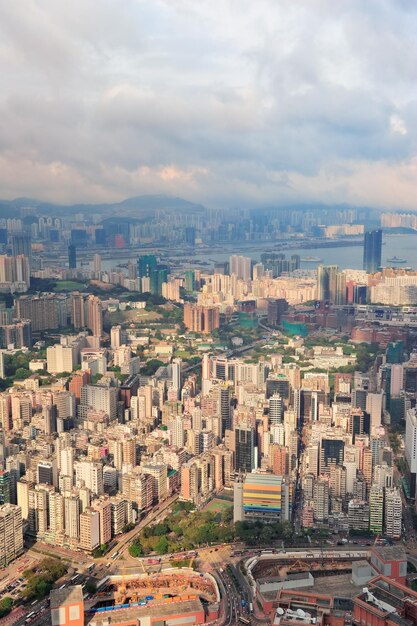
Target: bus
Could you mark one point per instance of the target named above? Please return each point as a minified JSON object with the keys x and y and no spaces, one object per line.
{"x":91,"y":567}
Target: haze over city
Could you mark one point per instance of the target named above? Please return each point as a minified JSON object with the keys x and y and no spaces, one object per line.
{"x":208,"y":313}
{"x":225,"y":103}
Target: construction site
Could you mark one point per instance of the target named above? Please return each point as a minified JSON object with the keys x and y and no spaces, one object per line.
{"x":177,"y":591}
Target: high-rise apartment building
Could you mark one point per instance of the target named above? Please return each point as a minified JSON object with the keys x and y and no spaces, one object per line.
{"x":89,"y":529}
{"x":240,"y":266}
{"x":77,"y":310}
{"x":201,"y":319}
{"x":95,"y":315}
{"x":372,"y":249}
{"x":393,"y":513}
{"x":376,"y":509}
{"x":11,"y":533}
{"x":321,"y":500}
{"x":411,"y":447}
{"x":60,"y":359}
{"x":115,"y":337}
{"x":99,"y":397}
{"x":42,"y":311}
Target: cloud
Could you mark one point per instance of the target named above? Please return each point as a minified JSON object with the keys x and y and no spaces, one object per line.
{"x":226,"y":102}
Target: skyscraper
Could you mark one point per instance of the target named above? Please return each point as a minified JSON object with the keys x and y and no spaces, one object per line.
{"x":245,"y":444}
{"x":372,"y":246}
{"x":327,"y":282}
{"x":275,"y":409}
{"x":94,"y":316}
{"x":72,"y":256}
{"x":22,"y":245}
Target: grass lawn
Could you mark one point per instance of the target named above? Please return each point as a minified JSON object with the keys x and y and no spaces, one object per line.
{"x":135,"y":315}
{"x":69,"y":285}
{"x":218,"y":506}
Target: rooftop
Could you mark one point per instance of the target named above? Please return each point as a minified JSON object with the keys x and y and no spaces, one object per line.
{"x":65,"y":597}
{"x":390,"y":553}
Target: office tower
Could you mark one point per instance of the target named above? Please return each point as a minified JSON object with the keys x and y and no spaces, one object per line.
{"x":224,"y":407}
{"x":372,"y":247}
{"x":275,"y":409}
{"x":89,"y":530}
{"x":244,"y":449}
{"x":95,"y":315}
{"x":77,"y":310}
{"x":331,"y":451}
{"x":45,"y":474}
{"x":321,"y":500}
{"x":393,"y":513}
{"x":72,"y":256}
{"x":327,"y":282}
{"x":11,"y":533}
{"x":96,"y":264}
{"x":115,"y":337}
{"x":376,"y":509}
{"x":411,"y":447}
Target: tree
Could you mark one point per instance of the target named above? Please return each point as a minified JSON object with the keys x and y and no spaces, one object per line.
{"x":21,"y":373}
{"x":6,"y":605}
{"x":162,"y":546}
{"x":91,"y":587}
{"x":135,"y":548}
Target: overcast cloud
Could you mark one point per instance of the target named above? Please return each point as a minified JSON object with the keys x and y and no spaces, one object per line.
{"x":225,"y":102}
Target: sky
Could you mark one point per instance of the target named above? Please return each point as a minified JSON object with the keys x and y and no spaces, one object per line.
{"x":225,"y":102}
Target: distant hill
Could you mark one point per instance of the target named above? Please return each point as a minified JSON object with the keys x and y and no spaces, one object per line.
{"x":138,"y":206}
